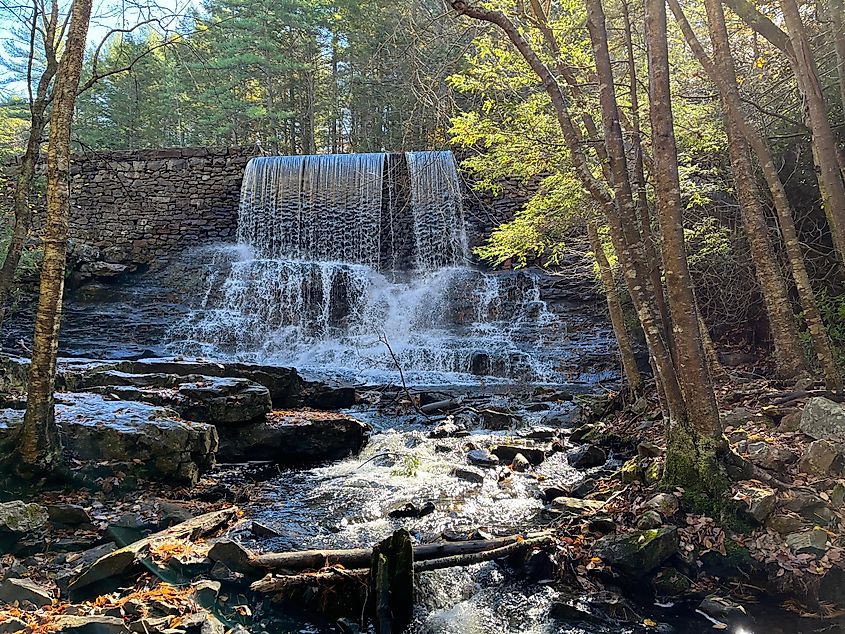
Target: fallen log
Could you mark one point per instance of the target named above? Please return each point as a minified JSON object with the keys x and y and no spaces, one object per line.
{"x":360,"y":557}
{"x":442,"y":406}
{"x":121,"y":561}
{"x":279,"y":584}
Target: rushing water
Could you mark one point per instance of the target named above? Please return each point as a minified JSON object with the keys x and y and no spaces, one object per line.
{"x":354,"y":265}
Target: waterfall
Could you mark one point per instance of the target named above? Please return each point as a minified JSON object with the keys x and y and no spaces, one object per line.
{"x":352,"y":208}
{"x":339,"y":254}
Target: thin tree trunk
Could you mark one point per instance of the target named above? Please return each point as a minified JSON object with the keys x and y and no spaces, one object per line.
{"x":39,"y":448}
{"x":631,"y":254}
{"x":617,"y":314}
{"x":717,"y":372}
{"x":29,"y":161}
{"x":837,"y":15}
{"x":692,"y":443}
{"x":726,"y":83}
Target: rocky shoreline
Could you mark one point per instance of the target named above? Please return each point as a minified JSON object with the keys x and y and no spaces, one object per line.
{"x":623,"y":546}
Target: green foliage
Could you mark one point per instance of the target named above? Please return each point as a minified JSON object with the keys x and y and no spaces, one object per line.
{"x":409,"y":467}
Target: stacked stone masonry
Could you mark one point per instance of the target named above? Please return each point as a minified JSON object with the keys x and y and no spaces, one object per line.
{"x":136,"y":206}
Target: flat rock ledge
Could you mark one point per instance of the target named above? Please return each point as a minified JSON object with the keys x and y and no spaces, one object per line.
{"x":294,"y":438}
{"x":147,"y":440}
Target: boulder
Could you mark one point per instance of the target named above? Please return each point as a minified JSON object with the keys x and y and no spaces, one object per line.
{"x":630,"y":471}
{"x":520,"y":463}
{"x":294,"y":438}
{"x":469,"y":474}
{"x":95,"y":624}
{"x":586,"y":456}
{"x":823,"y":419}
{"x":507,"y":453}
{"x":759,"y":500}
{"x":11,"y":625}
{"x":637,"y":553}
{"x":669,"y":582}
{"x":208,"y":399}
{"x":770,"y":456}
{"x":19,"y":517}
{"x":498,"y":418}
{"x":572,"y":507}
{"x":648,"y":449}
{"x":785,"y":523}
{"x":23,"y":592}
{"x":813,"y":541}
{"x":68,"y":514}
{"x":664,"y":503}
{"x":147,"y":441}
{"x":822,"y":457}
{"x":565,"y":419}
{"x":650,"y":519}
{"x":482,"y":458}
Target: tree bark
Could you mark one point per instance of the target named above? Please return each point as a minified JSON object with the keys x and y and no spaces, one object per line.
{"x":629,"y":251}
{"x":26,"y":174}
{"x":837,"y":16}
{"x":617,"y":315}
{"x":39,"y":447}
{"x":725,"y":81}
{"x":795,"y":46}
{"x":692,"y":442}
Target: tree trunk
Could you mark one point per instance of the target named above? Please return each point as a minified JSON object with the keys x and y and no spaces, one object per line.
{"x":837,"y":16}
{"x":39,"y":448}
{"x":617,"y":315}
{"x":726,"y":83}
{"x":692,"y":442}
{"x":32,"y":153}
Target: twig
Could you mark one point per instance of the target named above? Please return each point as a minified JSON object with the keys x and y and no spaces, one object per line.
{"x":383,"y":339}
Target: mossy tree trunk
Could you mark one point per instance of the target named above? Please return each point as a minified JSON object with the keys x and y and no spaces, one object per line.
{"x":39,"y":446}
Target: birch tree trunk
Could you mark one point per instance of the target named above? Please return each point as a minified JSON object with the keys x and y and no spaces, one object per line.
{"x":39,"y":446}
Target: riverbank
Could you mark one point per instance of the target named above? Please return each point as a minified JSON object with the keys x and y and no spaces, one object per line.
{"x":450,"y":466}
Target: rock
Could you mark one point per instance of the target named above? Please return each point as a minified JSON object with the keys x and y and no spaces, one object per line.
{"x":497,"y":418}
{"x":648,"y":449}
{"x":802,"y":501}
{"x":583,"y":432}
{"x":541,"y":567}
{"x":785,"y":523}
{"x":482,"y":458}
{"x":583,"y":488}
{"x":586,"y":456}
{"x":448,"y":430}
{"x":207,"y":399}
{"x":603,"y":525}
{"x":770,"y":456}
{"x":812,"y":541}
{"x":630,"y":471}
{"x":649,"y":519}
{"x":89,"y":625}
{"x":822,"y":457}
{"x":19,"y":517}
{"x":791,"y":422}
{"x":669,"y":582}
{"x":653,"y":473}
{"x":469,"y":474}
{"x":11,"y":625}
{"x":24,"y":591}
{"x":722,"y":609}
{"x":149,"y":441}
{"x":205,"y":592}
{"x":202,"y":623}
{"x":520,"y":463}
{"x":822,"y":419}
{"x":638,"y":553}
{"x":260,"y":530}
{"x":572,"y":507}
{"x":759,"y":500}
{"x":170,"y":513}
{"x":563,"y":419}
{"x":507,"y":453}
{"x":412,"y":510}
{"x":664,"y":503}
{"x":539,"y":433}
{"x":294,"y":438}
{"x":68,"y":514}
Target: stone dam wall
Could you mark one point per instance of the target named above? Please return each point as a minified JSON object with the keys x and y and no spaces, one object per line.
{"x":135,"y":207}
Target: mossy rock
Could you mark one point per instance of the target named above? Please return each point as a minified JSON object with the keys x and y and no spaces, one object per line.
{"x":736,"y":562}
{"x":653,"y":473}
{"x":631,"y":471}
{"x":670,"y":583}
{"x":637,"y":553}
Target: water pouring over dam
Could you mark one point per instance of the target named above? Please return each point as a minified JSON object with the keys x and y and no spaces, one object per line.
{"x":344,"y":261}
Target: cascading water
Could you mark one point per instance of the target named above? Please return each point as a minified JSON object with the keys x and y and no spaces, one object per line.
{"x":347,"y":260}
